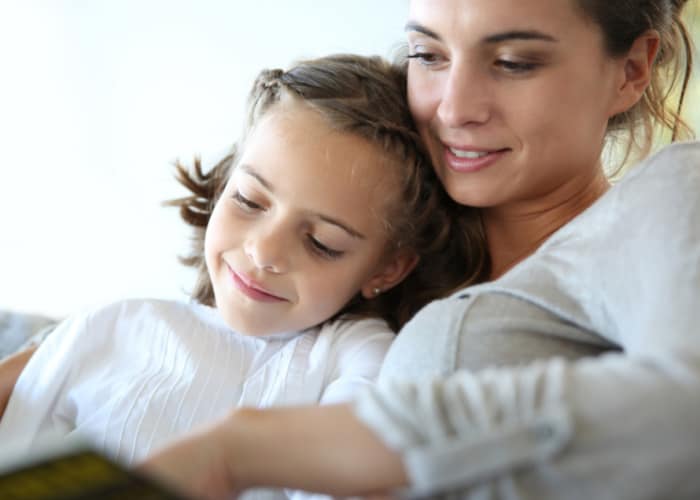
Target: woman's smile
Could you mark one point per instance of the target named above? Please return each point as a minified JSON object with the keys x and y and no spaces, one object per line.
{"x":467,"y":159}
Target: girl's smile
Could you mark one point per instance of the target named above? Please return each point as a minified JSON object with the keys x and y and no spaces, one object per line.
{"x":253,"y":289}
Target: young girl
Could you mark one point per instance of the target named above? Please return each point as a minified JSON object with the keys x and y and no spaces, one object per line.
{"x":306,"y":236}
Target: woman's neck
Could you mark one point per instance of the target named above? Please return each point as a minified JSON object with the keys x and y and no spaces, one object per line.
{"x":516,"y":231}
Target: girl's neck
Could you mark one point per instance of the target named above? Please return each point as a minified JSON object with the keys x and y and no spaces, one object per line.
{"x":517,"y":230}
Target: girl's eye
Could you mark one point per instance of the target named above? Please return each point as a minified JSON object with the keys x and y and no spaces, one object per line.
{"x":324,"y":251}
{"x":245,"y":203}
{"x":516,"y":67}
{"x":425,"y":58}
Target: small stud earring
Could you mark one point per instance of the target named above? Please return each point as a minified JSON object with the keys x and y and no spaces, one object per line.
{"x":376,"y":291}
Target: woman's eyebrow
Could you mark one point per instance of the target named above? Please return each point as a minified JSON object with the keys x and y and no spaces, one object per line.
{"x":495,"y":38}
{"x":519,"y":35}
{"x":413,"y":26}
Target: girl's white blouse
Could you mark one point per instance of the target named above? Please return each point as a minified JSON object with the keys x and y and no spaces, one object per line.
{"x":136,"y":374}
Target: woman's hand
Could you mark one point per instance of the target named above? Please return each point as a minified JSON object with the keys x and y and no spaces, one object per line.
{"x":195,"y":466}
{"x":10,"y":369}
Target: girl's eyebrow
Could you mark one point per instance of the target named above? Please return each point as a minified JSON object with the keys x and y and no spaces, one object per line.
{"x":495,"y":38}
{"x":341,"y":225}
{"x":325,"y":218}
{"x":250,"y":171}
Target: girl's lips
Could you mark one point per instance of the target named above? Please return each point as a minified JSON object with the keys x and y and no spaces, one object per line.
{"x":463,"y":164}
{"x":253,"y":290}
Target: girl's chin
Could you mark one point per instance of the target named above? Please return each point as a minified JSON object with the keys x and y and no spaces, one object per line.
{"x":243,"y":325}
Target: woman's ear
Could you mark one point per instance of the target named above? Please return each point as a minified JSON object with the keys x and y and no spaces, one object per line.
{"x":391,"y":273}
{"x":636,"y":71}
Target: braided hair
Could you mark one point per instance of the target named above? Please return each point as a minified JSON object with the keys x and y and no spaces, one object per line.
{"x":365,"y":96}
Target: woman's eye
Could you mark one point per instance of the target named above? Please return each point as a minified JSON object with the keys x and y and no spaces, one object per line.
{"x":515,"y":66}
{"x":245,"y":203}
{"x":425,"y":58}
{"x":324,"y":251}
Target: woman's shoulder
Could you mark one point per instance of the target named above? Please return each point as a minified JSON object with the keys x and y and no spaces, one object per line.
{"x":675,"y":164}
{"x":653,"y":192}
{"x":675,"y":168}
{"x":689,"y":150}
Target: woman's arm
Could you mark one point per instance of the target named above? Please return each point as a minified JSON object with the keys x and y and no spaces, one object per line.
{"x":623,"y":421}
{"x":317,"y":448}
{"x":10,"y":368}
{"x":619,"y":425}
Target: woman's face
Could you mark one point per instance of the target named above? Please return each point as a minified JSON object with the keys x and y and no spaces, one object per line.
{"x":511,"y":96}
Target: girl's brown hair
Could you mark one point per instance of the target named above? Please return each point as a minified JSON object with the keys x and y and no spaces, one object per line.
{"x":365,"y":96}
{"x":622,"y":22}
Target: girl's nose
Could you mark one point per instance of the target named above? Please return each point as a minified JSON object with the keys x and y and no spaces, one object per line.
{"x":268,"y":250}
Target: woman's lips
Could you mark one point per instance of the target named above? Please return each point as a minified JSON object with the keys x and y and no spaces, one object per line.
{"x":253,"y":290}
{"x":466,"y":160}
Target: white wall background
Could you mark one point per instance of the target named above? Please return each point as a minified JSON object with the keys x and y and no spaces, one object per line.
{"x":99,"y":97}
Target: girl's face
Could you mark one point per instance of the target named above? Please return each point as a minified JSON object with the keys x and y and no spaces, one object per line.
{"x":511,"y":96}
{"x":299,"y":229}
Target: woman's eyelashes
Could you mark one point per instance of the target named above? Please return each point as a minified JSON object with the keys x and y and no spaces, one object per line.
{"x":510,"y":65}
{"x":515,"y":67}
{"x":425,"y":58}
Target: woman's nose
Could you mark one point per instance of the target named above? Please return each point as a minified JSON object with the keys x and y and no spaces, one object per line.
{"x":268,"y":250}
{"x":464,"y":100}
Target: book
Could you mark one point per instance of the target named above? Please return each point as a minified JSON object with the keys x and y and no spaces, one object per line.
{"x":72,"y":471}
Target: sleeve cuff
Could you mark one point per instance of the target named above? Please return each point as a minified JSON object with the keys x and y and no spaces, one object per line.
{"x":439,"y":463}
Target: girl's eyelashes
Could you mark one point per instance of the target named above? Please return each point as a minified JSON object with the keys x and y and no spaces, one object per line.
{"x":316,"y":246}
{"x":245,"y":203}
{"x":324,"y":251}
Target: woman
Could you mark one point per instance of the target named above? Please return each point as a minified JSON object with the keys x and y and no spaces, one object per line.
{"x":515,"y":99}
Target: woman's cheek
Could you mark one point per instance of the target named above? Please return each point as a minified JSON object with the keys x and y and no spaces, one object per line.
{"x":423,"y":99}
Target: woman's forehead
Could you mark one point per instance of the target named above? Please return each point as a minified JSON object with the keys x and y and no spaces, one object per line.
{"x":485,"y":17}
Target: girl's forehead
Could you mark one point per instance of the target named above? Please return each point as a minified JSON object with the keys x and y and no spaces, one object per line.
{"x":296,"y":149}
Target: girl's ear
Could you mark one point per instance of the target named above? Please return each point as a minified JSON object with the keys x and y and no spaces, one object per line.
{"x":390,"y":274}
{"x":636,"y":71}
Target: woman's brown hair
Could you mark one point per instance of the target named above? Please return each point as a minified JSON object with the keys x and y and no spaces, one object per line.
{"x":622,"y":22}
{"x":365,"y":96}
